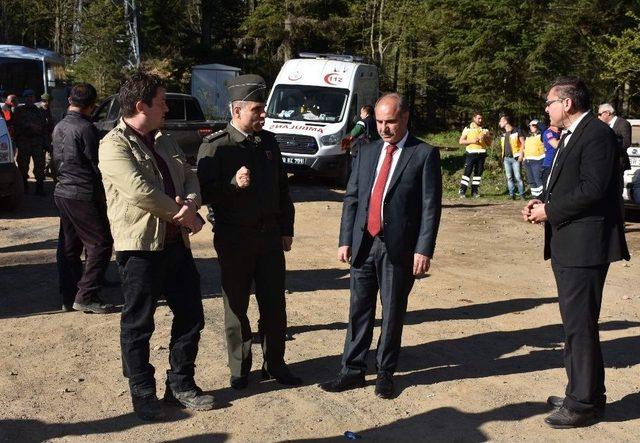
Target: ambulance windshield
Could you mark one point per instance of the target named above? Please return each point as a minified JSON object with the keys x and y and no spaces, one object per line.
{"x":308,"y":103}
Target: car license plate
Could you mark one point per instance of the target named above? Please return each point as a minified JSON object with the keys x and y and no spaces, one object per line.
{"x":293,"y":160}
{"x":635,"y":161}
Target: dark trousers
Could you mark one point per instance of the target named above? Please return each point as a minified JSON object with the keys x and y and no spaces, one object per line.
{"x":83,"y":225}
{"x":246,"y":257}
{"x":534,"y":177}
{"x":473,"y":169}
{"x":580,"y":298}
{"x":28,"y":150}
{"x":145,"y":276}
{"x":394,"y":282}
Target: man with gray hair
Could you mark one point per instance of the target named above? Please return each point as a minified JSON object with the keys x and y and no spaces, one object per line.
{"x":243,"y":180}
{"x":390,"y":219}
{"x":622,"y":128}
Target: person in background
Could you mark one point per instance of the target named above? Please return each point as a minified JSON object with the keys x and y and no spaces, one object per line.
{"x":476,"y":139}
{"x":550,"y":139}
{"x":362,"y":133}
{"x":622,"y":129}
{"x":512,"y":143}
{"x":30,"y":133}
{"x":80,"y":198}
{"x":45,"y":107}
{"x":533,"y":158}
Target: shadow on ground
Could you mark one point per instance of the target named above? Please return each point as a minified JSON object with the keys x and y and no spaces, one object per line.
{"x":26,"y":430}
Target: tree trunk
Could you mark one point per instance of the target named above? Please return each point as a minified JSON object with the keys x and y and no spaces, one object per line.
{"x":206,"y":17}
{"x":287,"y":46}
{"x":395,"y":68}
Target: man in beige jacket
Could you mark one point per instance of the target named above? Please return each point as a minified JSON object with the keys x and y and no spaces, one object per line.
{"x":152,"y":199}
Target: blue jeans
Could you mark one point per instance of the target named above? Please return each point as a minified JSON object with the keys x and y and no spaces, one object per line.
{"x":512,"y":171}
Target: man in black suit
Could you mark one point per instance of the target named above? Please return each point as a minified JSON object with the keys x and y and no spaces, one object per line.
{"x":622,"y":128}
{"x":390,"y":220}
{"x":584,"y":233}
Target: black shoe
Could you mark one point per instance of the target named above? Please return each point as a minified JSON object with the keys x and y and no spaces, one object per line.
{"x":283,"y":376}
{"x":67,"y":308}
{"x":239,"y":383}
{"x":512,"y":196}
{"x":191,"y":399}
{"x":95,"y":307}
{"x":343,"y":382}
{"x":565,"y":418}
{"x":384,"y":385}
{"x":557,"y":402}
{"x":148,"y":408}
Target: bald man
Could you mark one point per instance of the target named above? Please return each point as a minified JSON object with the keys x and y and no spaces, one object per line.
{"x":390,"y":220}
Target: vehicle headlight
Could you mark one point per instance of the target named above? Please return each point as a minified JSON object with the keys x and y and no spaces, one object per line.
{"x":331,"y":139}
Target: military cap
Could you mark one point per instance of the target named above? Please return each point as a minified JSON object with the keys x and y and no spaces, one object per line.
{"x":28,"y":92}
{"x":249,"y":87}
{"x":46,"y":97}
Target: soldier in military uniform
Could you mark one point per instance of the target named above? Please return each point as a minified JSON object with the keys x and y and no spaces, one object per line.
{"x":242,"y":179}
{"x":45,"y":108}
{"x":30,"y":129}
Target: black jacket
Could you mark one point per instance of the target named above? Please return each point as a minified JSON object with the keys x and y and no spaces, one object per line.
{"x":75,"y":155}
{"x":584,"y":200}
{"x":412,"y":204}
{"x":266,"y":203}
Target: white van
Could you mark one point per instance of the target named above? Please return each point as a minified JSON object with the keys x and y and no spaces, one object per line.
{"x":313,"y":104}
{"x":11,"y":186}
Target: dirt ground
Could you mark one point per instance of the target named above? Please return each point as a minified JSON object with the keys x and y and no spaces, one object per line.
{"x":482,"y":345}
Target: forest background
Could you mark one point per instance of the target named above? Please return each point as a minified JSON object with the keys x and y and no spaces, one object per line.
{"x":448,"y":57}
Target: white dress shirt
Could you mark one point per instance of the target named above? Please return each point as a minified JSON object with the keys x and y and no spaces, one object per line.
{"x":394,"y":162}
{"x":571,"y":129}
{"x":613,"y":121}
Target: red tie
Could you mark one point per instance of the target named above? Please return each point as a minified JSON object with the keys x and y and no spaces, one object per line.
{"x":374,"y":221}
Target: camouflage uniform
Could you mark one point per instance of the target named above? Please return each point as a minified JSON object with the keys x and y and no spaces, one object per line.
{"x":30,"y":131}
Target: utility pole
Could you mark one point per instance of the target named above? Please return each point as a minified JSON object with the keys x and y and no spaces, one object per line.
{"x":132,"y":18}
{"x":75,"y":47}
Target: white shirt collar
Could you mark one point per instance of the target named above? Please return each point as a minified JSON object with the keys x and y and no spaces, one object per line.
{"x":400,"y":144}
{"x":574,"y":125}
{"x":613,"y":121}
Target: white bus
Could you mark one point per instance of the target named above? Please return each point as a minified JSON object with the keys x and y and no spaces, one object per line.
{"x":38,"y":69}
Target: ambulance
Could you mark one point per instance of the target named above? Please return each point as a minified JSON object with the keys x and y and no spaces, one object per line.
{"x":314,"y":103}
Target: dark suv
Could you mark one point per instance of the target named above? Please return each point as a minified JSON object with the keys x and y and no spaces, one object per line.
{"x":185,"y":121}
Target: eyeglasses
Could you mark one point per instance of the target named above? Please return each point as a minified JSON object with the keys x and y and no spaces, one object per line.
{"x":603,"y":112}
{"x":550,"y":102}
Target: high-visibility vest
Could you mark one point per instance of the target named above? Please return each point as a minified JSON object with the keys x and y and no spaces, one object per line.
{"x":472,"y":132}
{"x":514,"y":140}
{"x":533,"y":147}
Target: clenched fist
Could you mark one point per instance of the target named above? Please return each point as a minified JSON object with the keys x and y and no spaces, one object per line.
{"x":243,"y":177}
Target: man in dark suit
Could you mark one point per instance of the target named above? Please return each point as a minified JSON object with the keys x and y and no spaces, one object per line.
{"x":584,"y":233}
{"x":390,"y":220}
{"x":622,"y":128}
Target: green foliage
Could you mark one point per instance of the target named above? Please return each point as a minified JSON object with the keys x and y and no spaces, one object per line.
{"x":447,"y":57}
{"x":104,"y":47}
